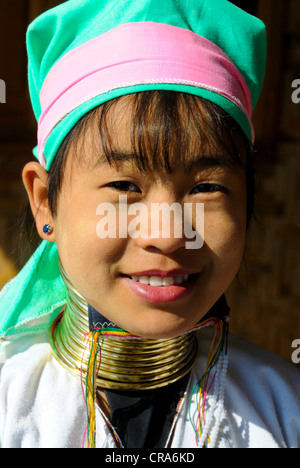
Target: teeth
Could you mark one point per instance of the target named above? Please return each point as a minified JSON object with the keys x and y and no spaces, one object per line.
{"x":158,"y":281}
{"x":144,"y":279}
{"x":169,"y":281}
{"x":155,"y":281}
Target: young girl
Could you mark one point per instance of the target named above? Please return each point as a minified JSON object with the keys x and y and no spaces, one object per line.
{"x":115,"y":333}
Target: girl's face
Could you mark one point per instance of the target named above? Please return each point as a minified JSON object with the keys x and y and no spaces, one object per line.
{"x":101,"y":269}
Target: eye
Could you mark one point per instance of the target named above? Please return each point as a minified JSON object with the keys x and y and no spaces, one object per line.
{"x":124,"y":186}
{"x":209,"y":188}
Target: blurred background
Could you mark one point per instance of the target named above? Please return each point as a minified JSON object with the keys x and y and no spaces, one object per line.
{"x":265,"y":298}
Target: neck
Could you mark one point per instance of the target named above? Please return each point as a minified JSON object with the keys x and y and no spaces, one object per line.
{"x":125,"y":361}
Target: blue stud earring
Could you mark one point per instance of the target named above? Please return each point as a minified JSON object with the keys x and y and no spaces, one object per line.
{"x":47,"y":229}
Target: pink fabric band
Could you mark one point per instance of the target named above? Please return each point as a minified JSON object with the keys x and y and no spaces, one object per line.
{"x":133,"y":54}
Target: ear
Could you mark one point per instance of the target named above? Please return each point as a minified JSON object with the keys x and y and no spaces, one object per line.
{"x":35,"y":180}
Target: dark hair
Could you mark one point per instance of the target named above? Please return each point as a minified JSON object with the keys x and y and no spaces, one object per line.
{"x":167,"y":128}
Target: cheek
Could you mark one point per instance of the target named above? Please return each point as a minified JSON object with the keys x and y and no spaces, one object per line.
{"x":82,"y":253}
{"x":225,"y":234}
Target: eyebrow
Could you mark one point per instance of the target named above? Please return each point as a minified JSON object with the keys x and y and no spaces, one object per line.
{"x":116,"y":156}
{"x":200,"y":162}
{"x":213,"y":160}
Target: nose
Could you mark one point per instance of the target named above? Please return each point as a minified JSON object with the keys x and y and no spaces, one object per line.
{"x":161,"y":226}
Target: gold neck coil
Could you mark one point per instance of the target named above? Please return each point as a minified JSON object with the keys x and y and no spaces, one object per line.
{"x":124,"y":363}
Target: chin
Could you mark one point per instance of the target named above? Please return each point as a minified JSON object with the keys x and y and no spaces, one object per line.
{"x":160,"y":330}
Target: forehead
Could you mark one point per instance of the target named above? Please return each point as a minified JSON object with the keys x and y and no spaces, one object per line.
{"x":156,"y":131}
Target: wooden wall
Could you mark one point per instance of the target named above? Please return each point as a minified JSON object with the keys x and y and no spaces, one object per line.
{"x":265,"y":299}
{"x":17,"y":127}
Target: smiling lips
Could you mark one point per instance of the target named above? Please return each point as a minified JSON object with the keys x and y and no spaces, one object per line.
{"x":158,"y":286}
{"x":158,"y":281}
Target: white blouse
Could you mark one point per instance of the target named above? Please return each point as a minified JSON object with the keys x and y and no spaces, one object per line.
{"x":42,"y":405}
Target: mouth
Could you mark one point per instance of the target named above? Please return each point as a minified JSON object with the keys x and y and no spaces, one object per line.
{"x":158,"y":289}
{"x":159,"y":281}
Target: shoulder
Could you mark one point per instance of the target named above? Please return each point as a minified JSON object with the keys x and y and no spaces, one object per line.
{"x":263,"y":390}
{"x":251,"y":362}
{"x":21,"y":360}
{"x":247,"y":361}
{"x":262,"y":396}
{"x":41,"y":404}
